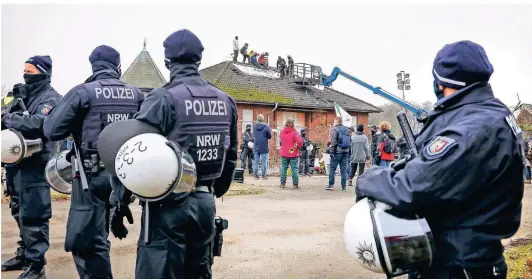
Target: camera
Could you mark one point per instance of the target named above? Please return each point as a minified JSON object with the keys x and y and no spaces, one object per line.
{"x":221,"y":224}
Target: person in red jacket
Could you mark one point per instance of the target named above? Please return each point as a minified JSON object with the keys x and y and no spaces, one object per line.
{"x":387,"y":145}
{"x":291,"y":142}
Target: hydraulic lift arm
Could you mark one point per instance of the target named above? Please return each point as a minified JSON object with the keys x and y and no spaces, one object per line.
{"x":327,"y":81}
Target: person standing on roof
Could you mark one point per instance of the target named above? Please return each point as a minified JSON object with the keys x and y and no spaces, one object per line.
{"x":290,"y":65}
{"x":281,"y":66}
{"x":244,"y":53}
{"x":235,"y":49}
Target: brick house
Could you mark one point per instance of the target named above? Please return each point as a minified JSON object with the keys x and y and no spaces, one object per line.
{"x":264,"y":92}
{"x":523,"y":117}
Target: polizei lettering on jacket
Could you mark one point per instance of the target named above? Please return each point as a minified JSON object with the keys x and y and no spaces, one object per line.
{"x":206,"y":107}
{"x":114,"y":93}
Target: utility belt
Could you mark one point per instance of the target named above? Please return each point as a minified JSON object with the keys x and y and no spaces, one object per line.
{"x":92,"y":164}
{"x":173,"y":200}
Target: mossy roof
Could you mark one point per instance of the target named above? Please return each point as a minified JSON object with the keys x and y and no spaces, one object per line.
{"x":248,"y":88}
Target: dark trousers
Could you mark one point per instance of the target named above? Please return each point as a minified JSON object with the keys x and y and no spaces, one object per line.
{"x":498,"y":271}
{"x":34,"y":210}
{"x":88,"y":228}
{"x":181,"y":239}
{"x":235,"y":55}
{"x":376,"y":160}
{"x":247,"y":153}
{"x":244,"y":57}
{"x":14,"y":193}
{"x":354,"y":166}
{"x":303,"y":162}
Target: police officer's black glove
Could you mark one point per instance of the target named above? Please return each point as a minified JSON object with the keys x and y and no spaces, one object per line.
{"x":116,"y":218}
{"x":402,"y":163}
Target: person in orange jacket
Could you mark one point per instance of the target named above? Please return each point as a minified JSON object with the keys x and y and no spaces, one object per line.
{"x":291,"y":143}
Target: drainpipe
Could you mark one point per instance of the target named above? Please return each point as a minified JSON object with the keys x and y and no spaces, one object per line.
{"x":274,"y":108}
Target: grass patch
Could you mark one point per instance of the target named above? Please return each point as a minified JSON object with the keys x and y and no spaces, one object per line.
{"x":519,"y":259}
{"x":244,"y":189}
{"x":250,"y":93}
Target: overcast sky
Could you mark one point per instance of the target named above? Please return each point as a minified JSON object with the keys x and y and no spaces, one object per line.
{"x":371,"y":42}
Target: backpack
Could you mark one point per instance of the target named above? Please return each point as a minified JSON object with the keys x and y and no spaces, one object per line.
{"x":344,"y":139}
{"x":390,"y":145}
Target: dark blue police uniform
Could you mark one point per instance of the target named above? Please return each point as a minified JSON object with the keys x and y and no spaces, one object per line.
{"x":182,"y":230}
{"x":31,"y":202}
{"x":467,"y":180}
{"x":84,"y":112}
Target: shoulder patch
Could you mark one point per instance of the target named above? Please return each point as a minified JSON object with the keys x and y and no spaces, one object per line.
{"x":46,"y":109}
{"x":513,"y":124}
{"x":439,"y":145}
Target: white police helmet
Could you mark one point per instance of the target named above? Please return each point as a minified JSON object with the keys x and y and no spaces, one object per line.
{"x":15,"y":147}
{"x":383,"y":242}
{"x":151,"y":166}
{"x":58,"y":173}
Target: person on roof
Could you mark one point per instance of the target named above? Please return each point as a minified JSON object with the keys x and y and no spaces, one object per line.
{"x":263,"y":60}
{"x":281,"y":66}
{"x":235,"y":49}
{"x":254,"y":59}
{"x":244,"y":53}
{"x":290,"y":65}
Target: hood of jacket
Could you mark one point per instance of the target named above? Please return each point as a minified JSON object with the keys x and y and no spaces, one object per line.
{"x":260,"y":126}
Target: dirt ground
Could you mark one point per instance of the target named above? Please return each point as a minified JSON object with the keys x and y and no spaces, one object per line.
{"x":283,"y":233}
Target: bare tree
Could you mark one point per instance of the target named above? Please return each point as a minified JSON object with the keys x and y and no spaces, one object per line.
{"x":389,"y":113}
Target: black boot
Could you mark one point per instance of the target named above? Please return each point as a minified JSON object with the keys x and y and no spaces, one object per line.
{"x":17,"y":262}
{"x":34,"y":271}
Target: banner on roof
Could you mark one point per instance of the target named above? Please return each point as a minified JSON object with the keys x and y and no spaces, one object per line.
{"x":347,"y":119}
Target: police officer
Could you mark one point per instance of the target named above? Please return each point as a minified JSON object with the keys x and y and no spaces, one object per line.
{"x":467,"y":178}
{"x":247,"y":152}
{"x":303,"y":153}
{"x":185,"y":109}
{"x":31,"y":202}
{"x":84,"y":112}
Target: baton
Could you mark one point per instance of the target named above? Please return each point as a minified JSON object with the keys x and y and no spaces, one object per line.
{"x":407,"y":132}
{"x":23,"y":106}
{"x":82,"y":176}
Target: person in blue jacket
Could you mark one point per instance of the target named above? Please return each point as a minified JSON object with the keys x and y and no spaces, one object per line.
{"x":467,"y":180}
{"x":260,"y":148}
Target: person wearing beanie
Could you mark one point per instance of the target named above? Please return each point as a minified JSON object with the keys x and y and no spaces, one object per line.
{"x":83,"y":113}
{"x":247,"y":149}
{"x":359,"y":153}
{"x":30,"y":193}
{"x":304,"y":160}
{"x":188,"y":110}
{"x":468,"y":178}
